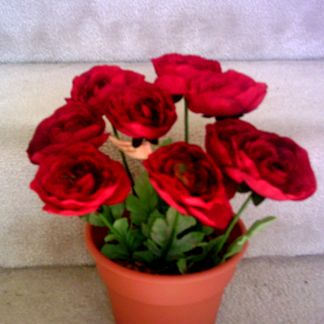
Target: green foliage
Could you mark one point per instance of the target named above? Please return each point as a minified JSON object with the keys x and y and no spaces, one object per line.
{"x":166,"y":141}
{"x":182,"y":265}
{"x":147,"y":233}
{"x":166,"y":234}
{"x":238,"y":244}
{"x":208,"y":250}
{"x":125,"y":239}
{"x":137,"y":209}
{"x":94,"y":219}
{"x":115,"y":251}
{"x":106,"y":214}
{"x":207,"y":230}
{"x":117,"y":211}
{"x":145,"y":191}
{"x":146,"y":256}
{"x":144,"y":202}
{"x":147,"y":227}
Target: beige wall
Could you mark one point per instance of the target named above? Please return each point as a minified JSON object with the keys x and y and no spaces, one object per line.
{"x":123,"y":30}
{"x":30,"y":92}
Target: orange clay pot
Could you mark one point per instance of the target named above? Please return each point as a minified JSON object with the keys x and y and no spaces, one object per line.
{"x":141,"y":298}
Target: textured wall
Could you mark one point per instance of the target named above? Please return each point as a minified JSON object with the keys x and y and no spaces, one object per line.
{"x":123,"y":30}
{"x":29,"y":93}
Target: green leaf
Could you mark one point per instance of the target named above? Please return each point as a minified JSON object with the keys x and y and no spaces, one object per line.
{"x":166,"y":141}
{"x":153,"y":248}
{"x":184,"y":223}
{"x":195,"y":258}
{"x":115,"y":251}
{"x":209,"y":249}
{"x":257,"y":199}
{"x":161,"y":232}
{"x":131,"y":239}
{"x":185,"y":244}
{"x":238,"y":244}
{"x":236,"y":247}
{"x":138,"y":211}
{"x":138,"y":218}
{"x":117,"y":211}
{"x":147,"y":227}
{"x":182,"y":265}
{"x":94,"y":219}
{"x":106,"y":212}
{"x":110,"y":238}
{"x":155,"y":215}
{"x":121,"y":226}
{"x":216,"y":244}
{"x":171,"y":215}
{"x":134,"y":239}
{"x":145,"y":230}
{"x":133,"y":204}
{"x":145,"y":191}
{"x":144,"y":256}
{"x":166,"y":233}
{"x":260,"y":225}
{"x":207,"y":230}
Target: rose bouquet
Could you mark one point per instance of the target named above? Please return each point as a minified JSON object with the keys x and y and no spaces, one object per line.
{"x":175,"y":217}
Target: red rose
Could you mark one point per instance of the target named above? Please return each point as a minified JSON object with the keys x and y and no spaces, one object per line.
{"x":88,"y":87}
{"x":78,"y":180}
{"x":273,"y":166}
{"x":225,"y":94}
{"x":188,"y":180}
{"x":141,"y":111}
{"x":219,"y":147}
{"x":68,"y":124}
{"x":220,"y":138}
{"x":176,"y":71}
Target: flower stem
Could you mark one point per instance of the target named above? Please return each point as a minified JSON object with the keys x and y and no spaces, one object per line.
{"x":233,"y":223}
{"x":186,"y":121}
{"x":123,"y":156}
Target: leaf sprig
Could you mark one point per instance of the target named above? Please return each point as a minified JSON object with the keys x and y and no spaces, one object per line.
{"x":146,"y":233}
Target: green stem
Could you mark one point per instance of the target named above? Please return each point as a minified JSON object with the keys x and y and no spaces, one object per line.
{"x":171,"y":238}
{"x":186,"y":121}
{"x":233,"y":223}
{"x":107,"y":223}
{"x":123,"y":156}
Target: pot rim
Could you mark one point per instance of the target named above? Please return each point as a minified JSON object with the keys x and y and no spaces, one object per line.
{"x":133,"y":274}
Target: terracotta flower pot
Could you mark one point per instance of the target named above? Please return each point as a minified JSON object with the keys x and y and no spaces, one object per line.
{"x":140,"y":298}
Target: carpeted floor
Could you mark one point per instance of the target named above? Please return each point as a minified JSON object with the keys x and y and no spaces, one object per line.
{"x":264,"y":290}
